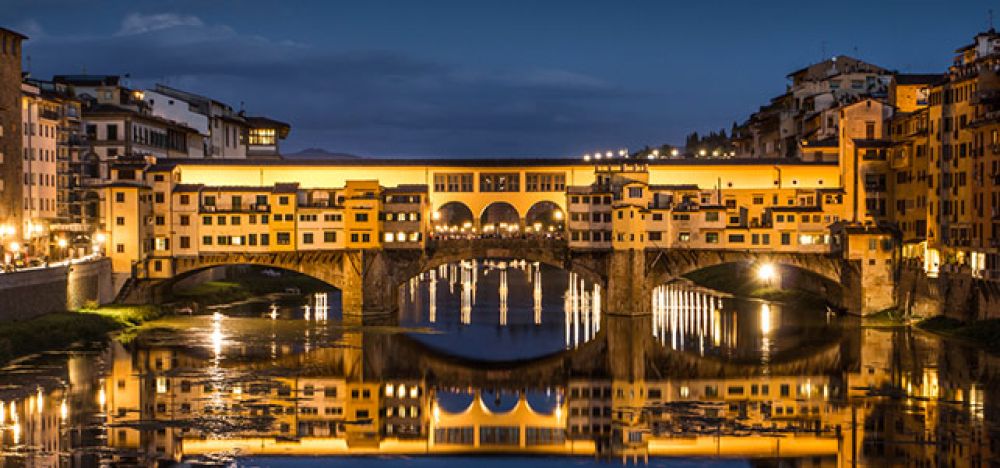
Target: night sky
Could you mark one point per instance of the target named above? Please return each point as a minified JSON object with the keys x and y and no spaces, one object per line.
{"x":485,"y":78}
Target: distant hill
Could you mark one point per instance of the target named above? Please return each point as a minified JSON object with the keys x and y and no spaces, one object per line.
{"x":318,"y":153}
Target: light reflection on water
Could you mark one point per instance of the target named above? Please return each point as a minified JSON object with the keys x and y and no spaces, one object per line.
{"x":501,"y":310}
{"x":703,"y":375}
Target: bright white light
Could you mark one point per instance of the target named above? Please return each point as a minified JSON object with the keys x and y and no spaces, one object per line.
{"x":675,"y":152}
{"x":62,"y":243}
{"x":558,"y":215}
{"x":766,"y":272}
{"x":100,"y":238}
{"x":15,"y":246}
{"x":765,"y":318}
{"x":436,"y":216}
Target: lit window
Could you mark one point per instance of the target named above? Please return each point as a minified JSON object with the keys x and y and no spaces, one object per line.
{"x":262,"y":136}
{"x":390,"y":237}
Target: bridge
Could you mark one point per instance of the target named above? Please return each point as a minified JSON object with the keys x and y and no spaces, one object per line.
{"x":370,"y":280}
{"x":625,"y":225}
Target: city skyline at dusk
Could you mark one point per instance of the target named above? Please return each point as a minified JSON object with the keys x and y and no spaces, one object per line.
{"x":467,"y":79}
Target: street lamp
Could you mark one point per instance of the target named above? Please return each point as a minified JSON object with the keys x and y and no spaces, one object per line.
{"x":767,"y":273}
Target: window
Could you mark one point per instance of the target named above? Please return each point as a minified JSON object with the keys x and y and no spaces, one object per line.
{"x":786,"y":238}
{"x":120,"y":197}
{"x":209,"y":200}
{"x":120,"y":221}
{"x":635,"y":192}
{"x":361,"y":217}
{"x":459,"y":182}
{"x":185,"y":199}
{"x":206,"y":220}
{"x":158,"y":197}
{"x":545,"y":182}
{"x":262,"y":136}
{"x":711,"y":238}
{"x":499,"y":182}
{"x":329,"y":236}
{"x":206,"y":240}
{"x":711,"y":216}
{"x":307,"y":238}
{"x":185,"y":242}
{"x":283,"y":200}
{"x":284,"y":238}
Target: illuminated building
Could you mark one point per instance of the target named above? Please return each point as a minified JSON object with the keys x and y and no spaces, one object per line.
{"x":11,"y":130}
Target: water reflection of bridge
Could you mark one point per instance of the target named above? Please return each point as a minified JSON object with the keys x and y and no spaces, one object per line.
{"x":161,"y":400}
{"x":379,"y":393}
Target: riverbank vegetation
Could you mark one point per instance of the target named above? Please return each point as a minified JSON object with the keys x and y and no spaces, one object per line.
{"x":62,"y":329}
{"x":983,"y":333}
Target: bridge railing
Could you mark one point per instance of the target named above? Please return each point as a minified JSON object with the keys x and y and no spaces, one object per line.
{"x":500,"y":243}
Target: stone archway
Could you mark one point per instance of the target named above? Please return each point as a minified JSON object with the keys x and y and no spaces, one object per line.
{"x":453,"y":219}
{"x":545,"y":216}
{"x":500,"y":218}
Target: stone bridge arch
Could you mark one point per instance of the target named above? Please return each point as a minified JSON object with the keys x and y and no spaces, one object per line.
{"x":551,"y":252}
{"x":326,"y":266}
{"x":666,"y":265}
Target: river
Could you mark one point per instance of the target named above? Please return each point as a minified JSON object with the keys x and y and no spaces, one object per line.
{"x":507,"y":362}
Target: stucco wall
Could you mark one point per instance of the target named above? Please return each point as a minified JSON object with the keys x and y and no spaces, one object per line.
{"x":26,"y":294}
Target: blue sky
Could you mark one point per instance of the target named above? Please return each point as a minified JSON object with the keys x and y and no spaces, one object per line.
{"x":482,"y":78}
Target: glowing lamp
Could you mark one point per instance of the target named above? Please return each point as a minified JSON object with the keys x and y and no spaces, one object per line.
{"x":766,"y":272}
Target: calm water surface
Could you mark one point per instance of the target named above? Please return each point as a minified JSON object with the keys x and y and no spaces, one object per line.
{"x":506,"y":359}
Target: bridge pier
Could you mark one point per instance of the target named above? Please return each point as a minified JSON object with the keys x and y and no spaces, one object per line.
{"x":628,"y":291}
{"x":370,"y":285}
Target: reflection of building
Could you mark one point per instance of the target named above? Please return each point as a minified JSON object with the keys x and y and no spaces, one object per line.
{"x":905,"y":402}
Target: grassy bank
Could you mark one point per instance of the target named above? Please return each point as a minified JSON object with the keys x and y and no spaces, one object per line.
{"x":60,"y":330}
{"x":984,"y":333}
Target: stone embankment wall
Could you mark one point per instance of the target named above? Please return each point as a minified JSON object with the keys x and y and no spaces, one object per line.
{"x":954,"y":293}
{"x":29,"y":293}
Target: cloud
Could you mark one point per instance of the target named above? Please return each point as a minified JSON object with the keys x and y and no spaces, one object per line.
{"x":31,"y":28}
{"x":138,"y":23}
{"x":363,"y":101}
